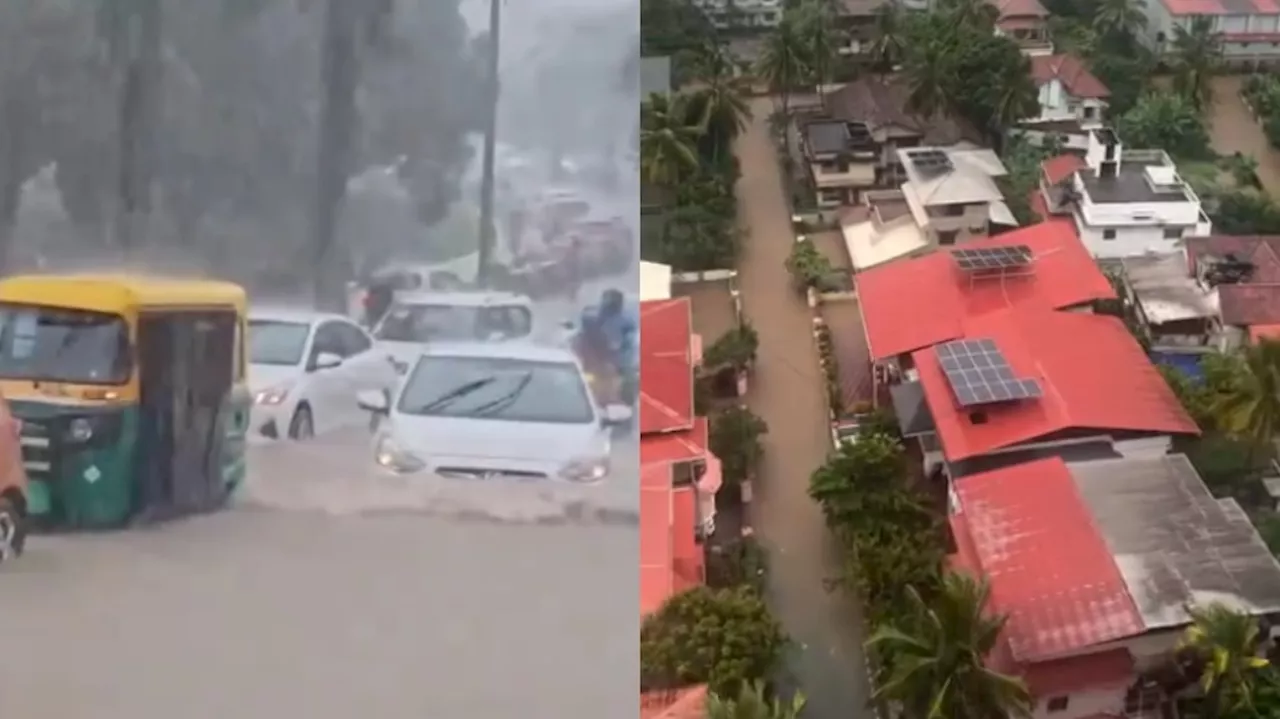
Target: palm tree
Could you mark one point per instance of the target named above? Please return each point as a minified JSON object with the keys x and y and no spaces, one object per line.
{"x":1119,"y":18}
{"x":1195,"y":57}
{"x":668,"y":144}
{"x":782,"y":64}
{"x":889,"y":46}
{"x":816,"y":21}
{"x":975,"y":13}
{"x":752,"y":704}
{"x":719,"y":103}
{"x":1250,"y":407}
{"x":938,"y":652}
{"x":1228,"y":642}
{"x":928,"y":73}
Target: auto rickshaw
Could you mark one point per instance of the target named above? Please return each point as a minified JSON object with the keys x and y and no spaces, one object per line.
{"x":130,"y":391}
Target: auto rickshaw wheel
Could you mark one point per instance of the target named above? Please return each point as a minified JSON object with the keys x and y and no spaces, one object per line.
{"x":302,"y":426}
{"x":13,"y":530}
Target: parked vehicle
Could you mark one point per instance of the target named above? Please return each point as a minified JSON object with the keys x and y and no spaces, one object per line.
{"x":370,"y":299}
{"x":465,"y":316}
{"x":13,"y":488}
{"x":130,"y":391}
{"x":305,"y":369}
{"x":510,"y":411}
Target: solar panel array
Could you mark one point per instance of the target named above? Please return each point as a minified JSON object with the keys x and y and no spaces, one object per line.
{"x":930,"y":160}
{"x":1008,"y":257}
{"x":859,"y":133}
{"x":979,"y":374}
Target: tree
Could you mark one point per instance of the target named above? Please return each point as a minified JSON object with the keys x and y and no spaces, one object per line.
{"x":1250,"y":408}
{"x":782,"y":65}
{"x":724,"y":638}
{"x":735,"y":349}
{"x":975,"y":14}
{"x":874,"y":465}
{"x":888,"y":44}
{"x":1228,"y":644}
{"x":735,"y":439}
{"x":1246,"y":213}
{"x":668,"y":143}
{"x":937,"y":654}
{"x":1166,"y":121}
{"x":751,"y":703}
{"x":1120,"y":17}
{"x":817,"y":22}
{"x":718,"y":107}
{"x":1195,"y":57}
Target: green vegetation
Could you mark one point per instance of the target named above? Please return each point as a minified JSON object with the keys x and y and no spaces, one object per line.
{"x":753,"y":702}
{"x":735,"y":439}
{"x":735,"y":349}
{"x":808,"y":266}
{"x":1262,"y":92}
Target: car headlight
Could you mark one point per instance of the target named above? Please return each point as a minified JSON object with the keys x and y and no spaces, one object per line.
{"x":585,"y":471}
{"x":80,"y":430}
{"x":271,"y":396}
{"x":390,"y":456}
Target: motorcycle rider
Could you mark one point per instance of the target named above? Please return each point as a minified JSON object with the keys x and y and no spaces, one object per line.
{"x":611,"y":330}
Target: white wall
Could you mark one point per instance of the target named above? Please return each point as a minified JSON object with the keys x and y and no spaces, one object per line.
{"x":1144,"y":447}
{"x":1081,"y":705}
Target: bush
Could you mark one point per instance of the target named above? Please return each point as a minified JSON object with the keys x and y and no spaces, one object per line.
{"x":807,"y":265}
{"x":724,"y":638}
{"x":740,"y":563}
{"x":736,"y":349}
{"x":830,"y":371}
{"x":735,"y":439}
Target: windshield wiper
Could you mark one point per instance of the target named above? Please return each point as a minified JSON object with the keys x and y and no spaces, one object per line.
{"x":497,"y":404}
{"x":453,"y":394}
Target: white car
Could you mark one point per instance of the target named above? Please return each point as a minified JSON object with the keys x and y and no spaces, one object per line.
{"x":466,"y":316}
{"x":305,"y":370}
{"x":508,"y":411}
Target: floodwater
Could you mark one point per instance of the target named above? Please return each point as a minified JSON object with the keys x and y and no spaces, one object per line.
{"x":327,"y":593}
{"x":1233,"y":129}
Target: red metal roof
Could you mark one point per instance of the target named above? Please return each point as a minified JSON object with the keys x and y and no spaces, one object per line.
{"x":1094,"y":375}
{"x":1071,"y":72}
{"x":1222,"y":7}
{"x":892,"y":295}
{"x":666,"y":366}
{"x":1050,"y":570}
{"x":671,"y":560}
{"x":687,"y":703}
{"x":675,"y":446}
{"x":1057,"y":169}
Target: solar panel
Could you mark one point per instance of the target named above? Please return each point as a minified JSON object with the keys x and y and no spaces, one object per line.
{"x":979,"y":374}
{"x":930,"y":160}
{"x":993,"y":258}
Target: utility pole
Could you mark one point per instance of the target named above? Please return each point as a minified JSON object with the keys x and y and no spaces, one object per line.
{"x":488,"y":236}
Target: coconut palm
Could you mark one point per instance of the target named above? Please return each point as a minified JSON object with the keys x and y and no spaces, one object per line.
{"x":751,"y":703}
{"x":937,"y":657}
{"x":668,"y":143}
{"x":1249,"y":407}
{"x":1195,"y":57}
{"x":782,"y":64}
{"x":718,"y":104}
{"x":816,"y":21}
{"x":929,"y":78}
{"x":1228,"y":642}
{"x":1119,"y":18}
{"x":975,"y":13}
{"x":889,"y":47}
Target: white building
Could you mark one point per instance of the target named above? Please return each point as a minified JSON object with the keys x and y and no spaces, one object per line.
{"x":1072,"y":102}
{"x":952,"y":193}
{"x":742,"y":13}
{"x":1249,"y":29}
{"x":1125,"y":202}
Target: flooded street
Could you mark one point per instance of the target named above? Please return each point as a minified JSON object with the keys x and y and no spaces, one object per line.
{"x":351,"y":601}
{"x":1233,"y":129}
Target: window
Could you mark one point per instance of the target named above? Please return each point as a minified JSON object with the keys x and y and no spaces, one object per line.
{"x":1089,"y":112}
{"x":955,"y":210}
{"x":1057,"y":704}
{"x":1173,"y":233}
{"x":1108,"y":234}
{"x":328,"y":340}
{"x":64,"y":345}
{"x":947,"y":238}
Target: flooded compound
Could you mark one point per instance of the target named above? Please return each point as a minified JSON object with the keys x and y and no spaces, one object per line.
{"x":1233,"y":128}
{"x":330,"y":591}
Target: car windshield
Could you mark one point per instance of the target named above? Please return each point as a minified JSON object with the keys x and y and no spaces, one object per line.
{"x":64,"y":345}
{"x":276,"y":342}
{"x":493,"y":388}
{"x":427,"y":323}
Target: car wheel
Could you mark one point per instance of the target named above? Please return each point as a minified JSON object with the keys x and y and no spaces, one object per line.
{"x":13,"y":530}
{"x":302,"y":426}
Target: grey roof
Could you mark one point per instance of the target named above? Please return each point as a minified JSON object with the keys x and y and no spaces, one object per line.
{"x":655,"y":76}
{"x":1165,"y":291}
{"x":911,"y":409}
{"x":1176,"y":545}
{"x":1131,"y":184}
{"x":827,"y":138}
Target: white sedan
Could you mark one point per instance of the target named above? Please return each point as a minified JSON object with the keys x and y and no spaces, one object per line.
{"x":305,"y":370}
{"x":492,"y":412}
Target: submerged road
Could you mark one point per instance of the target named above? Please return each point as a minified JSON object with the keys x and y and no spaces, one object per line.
{"x":787,"y":391}
{"x":345,"y":601}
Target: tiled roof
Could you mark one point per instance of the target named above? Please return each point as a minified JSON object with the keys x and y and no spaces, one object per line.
{"x":1020,"y":8}
{"x":1249,"y":304}
{"x":687,"y":703}
{"x":1094,"y":376}
{"x":675,"y":446}
{"x":892,"y":295}
{"x":1057,"y":169}
{"x":1263,"y":251}
{"x":1051,"y":573}
{"x":1071,"y":72}
{"x":666,"y":366}
{"x":1222,"y":7}
{"x":880,"y":101}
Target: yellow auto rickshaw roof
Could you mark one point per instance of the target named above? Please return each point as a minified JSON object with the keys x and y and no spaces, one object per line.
{"x":120,"y":293}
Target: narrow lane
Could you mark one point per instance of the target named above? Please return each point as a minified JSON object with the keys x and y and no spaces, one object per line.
{"x":1233,"y":129}
{"x":787,"y":392}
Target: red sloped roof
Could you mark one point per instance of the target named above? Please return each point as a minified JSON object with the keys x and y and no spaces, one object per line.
{"x":1050,"y":570}
{"x":893,"y":295}
{"x":1071,"y":72}
{"x":675,"y":446}
{"x":687,"y":703}
{"x":1057,"y":169}
{"x":1093,"y":374}
{"x":656,"y":550}
{"x":666,"y":365}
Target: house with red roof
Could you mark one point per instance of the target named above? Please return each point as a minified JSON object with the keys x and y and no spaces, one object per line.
{"x":690,"y":703}
{"x":1095,"y":564}
{"x":1072,"y":102}
{"x":1026,"y":383}
{"x":1244,"y":273}
{"x":1027,"y":23}
{"x":917,"y":303}
{"x":1249,"y":30}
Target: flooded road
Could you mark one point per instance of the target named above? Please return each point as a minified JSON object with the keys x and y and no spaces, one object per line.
{"x":353,"y":601}
{"x":787,"y":391}
{"x":1233,"y":129}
